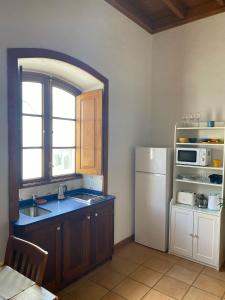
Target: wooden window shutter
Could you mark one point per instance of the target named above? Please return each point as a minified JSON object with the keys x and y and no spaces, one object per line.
{"x":89,"y":133}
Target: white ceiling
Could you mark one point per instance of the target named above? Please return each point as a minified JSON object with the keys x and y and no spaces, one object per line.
{"x":62,"y":70}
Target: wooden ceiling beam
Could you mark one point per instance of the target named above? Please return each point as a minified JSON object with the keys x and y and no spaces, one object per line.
{"x":134,"y":13}
{"x":176,"y":7}
{"x":195,"y":13}
{"x":221,"y":2}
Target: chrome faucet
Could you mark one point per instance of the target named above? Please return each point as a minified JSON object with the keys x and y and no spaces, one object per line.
{"x":61,"y":190}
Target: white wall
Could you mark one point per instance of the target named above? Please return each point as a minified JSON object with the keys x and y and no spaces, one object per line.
{"x":97,"y":34}
{"x":188,"y":74}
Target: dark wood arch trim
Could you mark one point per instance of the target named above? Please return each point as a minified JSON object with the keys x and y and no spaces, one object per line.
{"x":14,"y":111}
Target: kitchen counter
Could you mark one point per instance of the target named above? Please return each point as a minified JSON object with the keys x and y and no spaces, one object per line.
{"x":59,"y":207}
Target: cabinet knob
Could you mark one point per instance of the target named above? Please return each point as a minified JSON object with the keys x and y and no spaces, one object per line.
{"x":88,"y":217}
{"x":196,"y":236}
{"x":191,"y":234}
{"x":58,"y":228}
{"x":96,"y":214}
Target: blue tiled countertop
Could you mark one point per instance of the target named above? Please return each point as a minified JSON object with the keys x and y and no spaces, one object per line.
{"x":58,"y":207}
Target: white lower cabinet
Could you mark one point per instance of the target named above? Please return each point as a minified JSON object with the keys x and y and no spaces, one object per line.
{"x":195,"y":235}
{"x":181,"y":232}
{"x":206,"y":238}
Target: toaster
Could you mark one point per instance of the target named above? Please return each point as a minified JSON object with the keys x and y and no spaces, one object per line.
{"x":187,"y":198}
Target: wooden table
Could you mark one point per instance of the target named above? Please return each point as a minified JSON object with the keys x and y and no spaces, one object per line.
{"x":16,"y":286}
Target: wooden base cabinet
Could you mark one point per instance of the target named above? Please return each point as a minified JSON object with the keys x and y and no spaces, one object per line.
{"x":102,"y":233}
{"x":88,"y":240}
{"x":76,"y":242}
{"x":195,"y":235}
{"x":47,"y":235}
{"x":76,"y":245}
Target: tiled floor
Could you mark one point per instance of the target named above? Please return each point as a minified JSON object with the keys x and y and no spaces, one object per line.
{"x":137,"y":272}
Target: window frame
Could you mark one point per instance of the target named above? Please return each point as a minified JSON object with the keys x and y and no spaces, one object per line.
{"x":48,"y":82}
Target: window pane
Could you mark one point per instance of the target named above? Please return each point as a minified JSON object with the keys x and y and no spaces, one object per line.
{"x":32,"y":163}
{"x":63,"y":161}
{"x":32,"y":98}
{"x":63,"y":133}
{"x":63,"y":103}
{"x":32,"y":131}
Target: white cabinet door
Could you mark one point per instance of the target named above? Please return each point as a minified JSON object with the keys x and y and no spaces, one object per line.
{"x":206,"y":238}
{"x":181,"y":233}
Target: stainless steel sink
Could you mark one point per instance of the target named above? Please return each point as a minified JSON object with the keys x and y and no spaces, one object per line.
{"x":34,"y":211}
{"x":86,"y":198}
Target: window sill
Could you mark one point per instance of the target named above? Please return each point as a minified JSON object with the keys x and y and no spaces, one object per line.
{"x":53,"y":180}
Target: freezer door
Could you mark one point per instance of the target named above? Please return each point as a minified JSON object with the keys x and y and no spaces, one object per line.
{"x":152,"y":160}
{"x":151,"y":211}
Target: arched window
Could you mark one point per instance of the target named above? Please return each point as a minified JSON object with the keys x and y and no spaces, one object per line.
{"x":48,"y":129}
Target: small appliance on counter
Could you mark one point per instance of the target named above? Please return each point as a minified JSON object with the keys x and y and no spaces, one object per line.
{"x":186,"y":198}
{"x":201,"y":201}
{"x":214,"y":201}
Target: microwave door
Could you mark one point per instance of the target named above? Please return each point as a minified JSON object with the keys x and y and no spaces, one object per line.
{"x":187,"y":156}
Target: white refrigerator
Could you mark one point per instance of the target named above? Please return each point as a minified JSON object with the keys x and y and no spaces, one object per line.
{"x":153,"y":186}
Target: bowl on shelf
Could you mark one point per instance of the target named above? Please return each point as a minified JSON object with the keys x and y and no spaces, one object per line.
{"x":193,"y":140}
{"x":183,"y":140}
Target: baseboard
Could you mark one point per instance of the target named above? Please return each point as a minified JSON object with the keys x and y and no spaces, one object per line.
{"x":124,"y":242}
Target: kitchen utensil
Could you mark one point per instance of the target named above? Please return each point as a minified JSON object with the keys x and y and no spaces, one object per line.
{"x":216,"y":178}
{"x":211,"y":123}
{"x":214,"y":201}
{"x":193,"y":140}
{"x":216,"y":163}
{"x":183,"y":140}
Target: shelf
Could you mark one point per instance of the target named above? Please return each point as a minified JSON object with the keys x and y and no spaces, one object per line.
{"x":200,"y":144}
{"x":199,"y":182}
{"x":200,"y":167}
{"x":197,"y":209}
{"x":201,"y":128}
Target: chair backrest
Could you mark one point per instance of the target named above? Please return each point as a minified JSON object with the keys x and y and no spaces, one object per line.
{"x":27,"y":258}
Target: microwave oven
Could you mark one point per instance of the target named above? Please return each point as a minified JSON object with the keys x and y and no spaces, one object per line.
{"x":193,"y":156}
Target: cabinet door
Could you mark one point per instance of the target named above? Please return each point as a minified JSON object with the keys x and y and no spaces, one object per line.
{"x":89,"y":133}
{"x":181,"y":234}
{"x":206,"y":238}
{"x":103,"y":233}
{"x":48,"y":237}
{"x":76,"y":245}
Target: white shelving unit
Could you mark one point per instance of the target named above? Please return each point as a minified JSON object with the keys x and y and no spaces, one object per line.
{"x":206,"y":226}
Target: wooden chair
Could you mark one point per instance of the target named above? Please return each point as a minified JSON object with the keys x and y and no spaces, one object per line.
{"x":26,"y":258}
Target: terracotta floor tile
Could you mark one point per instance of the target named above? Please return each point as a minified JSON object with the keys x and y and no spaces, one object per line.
{"x":214,"y":273}
{"x":169,"y":257}
{"x":131,"y":290}
{"x":107,"y":278}
{"x":64,"y":296}
{"x":120,"y":265}
{"x":135,"y":253}
{"x":158,"y":264}
{"x":210,"y":284}
{"x":76,"y":283}
{"x":88,"y":290}
{"x":155,"y":295}
{"x":112,"y":296}
{"x":196,"y":294}
{"x":183,"y":274}
{"x":146,"y":276}
{"x":172,"y":287}
{"x":191,"y":265}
